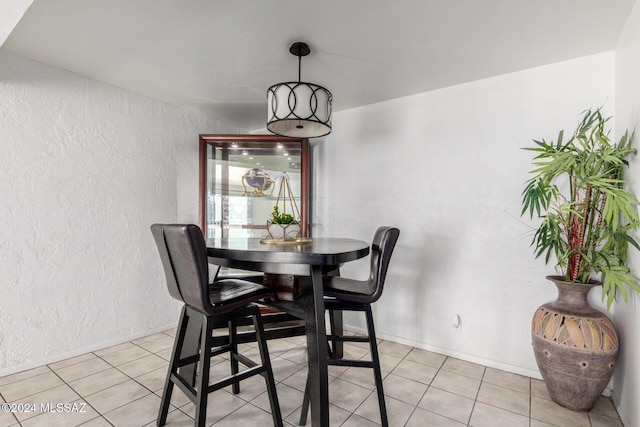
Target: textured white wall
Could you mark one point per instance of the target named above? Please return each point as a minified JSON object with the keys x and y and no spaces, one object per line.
{"x":447,"y":169}
{"x":85,"y":168}
{"x":626,"y":384}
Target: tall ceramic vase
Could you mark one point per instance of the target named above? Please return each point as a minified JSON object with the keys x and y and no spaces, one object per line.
{"x":575,"y":345}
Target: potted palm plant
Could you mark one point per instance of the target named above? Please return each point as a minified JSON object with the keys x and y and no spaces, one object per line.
{"x":586,"y":215}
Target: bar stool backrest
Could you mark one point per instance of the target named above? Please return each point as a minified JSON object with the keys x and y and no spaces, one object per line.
{"x":384,"y":241}
{"x":183,"y":252}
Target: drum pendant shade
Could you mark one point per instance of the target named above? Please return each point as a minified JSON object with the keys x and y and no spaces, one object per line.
{"x":299,"y":109}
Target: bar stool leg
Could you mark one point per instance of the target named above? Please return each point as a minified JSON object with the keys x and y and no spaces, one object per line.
{"x":233,"y":344}
{"x":173,"y":368}
{"x":266,"y":362}
{"x":373,"y":343}
{"x":304,"y":411}
{"x":203,"y":379}
{"x":332,"y":325}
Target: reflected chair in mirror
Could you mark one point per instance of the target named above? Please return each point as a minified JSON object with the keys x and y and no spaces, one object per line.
{"x":207,"y":306}
{"x":343,"y":294}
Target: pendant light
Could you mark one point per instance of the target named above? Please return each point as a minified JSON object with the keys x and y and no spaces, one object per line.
{"x":299,"y":109}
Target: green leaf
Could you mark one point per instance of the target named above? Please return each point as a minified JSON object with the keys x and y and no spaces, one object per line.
{"x":591,"y":163}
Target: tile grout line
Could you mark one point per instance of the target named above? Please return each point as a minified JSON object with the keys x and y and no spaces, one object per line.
{"x":415,"y":407}
{"x":112,"y":366}
{"x":237,"y":409}
{"x":100,"y":415}
{"x":410,"y":413}
{"x":475,"y":400}
{"x":530,"y":401}
{"x":14,"y":417}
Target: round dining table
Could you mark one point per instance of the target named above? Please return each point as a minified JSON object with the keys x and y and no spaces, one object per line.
{"x":309,"y":261}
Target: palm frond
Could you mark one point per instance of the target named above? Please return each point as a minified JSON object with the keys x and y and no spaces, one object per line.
{"x":586,"y":231}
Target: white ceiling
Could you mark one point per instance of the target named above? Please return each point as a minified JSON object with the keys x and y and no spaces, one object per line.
{"x":220,"y":56}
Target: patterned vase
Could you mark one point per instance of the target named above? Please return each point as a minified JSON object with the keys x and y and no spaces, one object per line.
{"x":575,"y":345}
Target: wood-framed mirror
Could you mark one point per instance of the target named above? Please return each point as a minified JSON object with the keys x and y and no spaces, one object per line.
{"x":237,"y":188}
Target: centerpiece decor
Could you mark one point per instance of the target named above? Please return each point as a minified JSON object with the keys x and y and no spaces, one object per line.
{"x":578,"y":192}
{"x":284,"y":224}
{"x":257,"y":179}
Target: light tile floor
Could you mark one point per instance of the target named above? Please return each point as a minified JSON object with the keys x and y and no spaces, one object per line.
{"x":122,"y":385}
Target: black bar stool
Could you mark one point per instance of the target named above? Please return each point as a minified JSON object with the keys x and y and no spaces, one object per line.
{"x":184,"y":257}
{"x":342,"y":294}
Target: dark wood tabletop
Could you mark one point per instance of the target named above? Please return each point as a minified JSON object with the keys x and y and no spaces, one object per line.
{"x":322,"y":250}
{"x":250,"y":254}
{"x":309,"y":261}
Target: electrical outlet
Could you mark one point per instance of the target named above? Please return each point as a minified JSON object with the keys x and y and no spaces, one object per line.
{"x":456,"y":322}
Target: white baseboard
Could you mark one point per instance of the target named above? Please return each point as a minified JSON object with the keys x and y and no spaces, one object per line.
{"x":531,"y":373}
{"x":77,"y":352}
{"x":448,"y":352}
{"x":623,"y":416}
